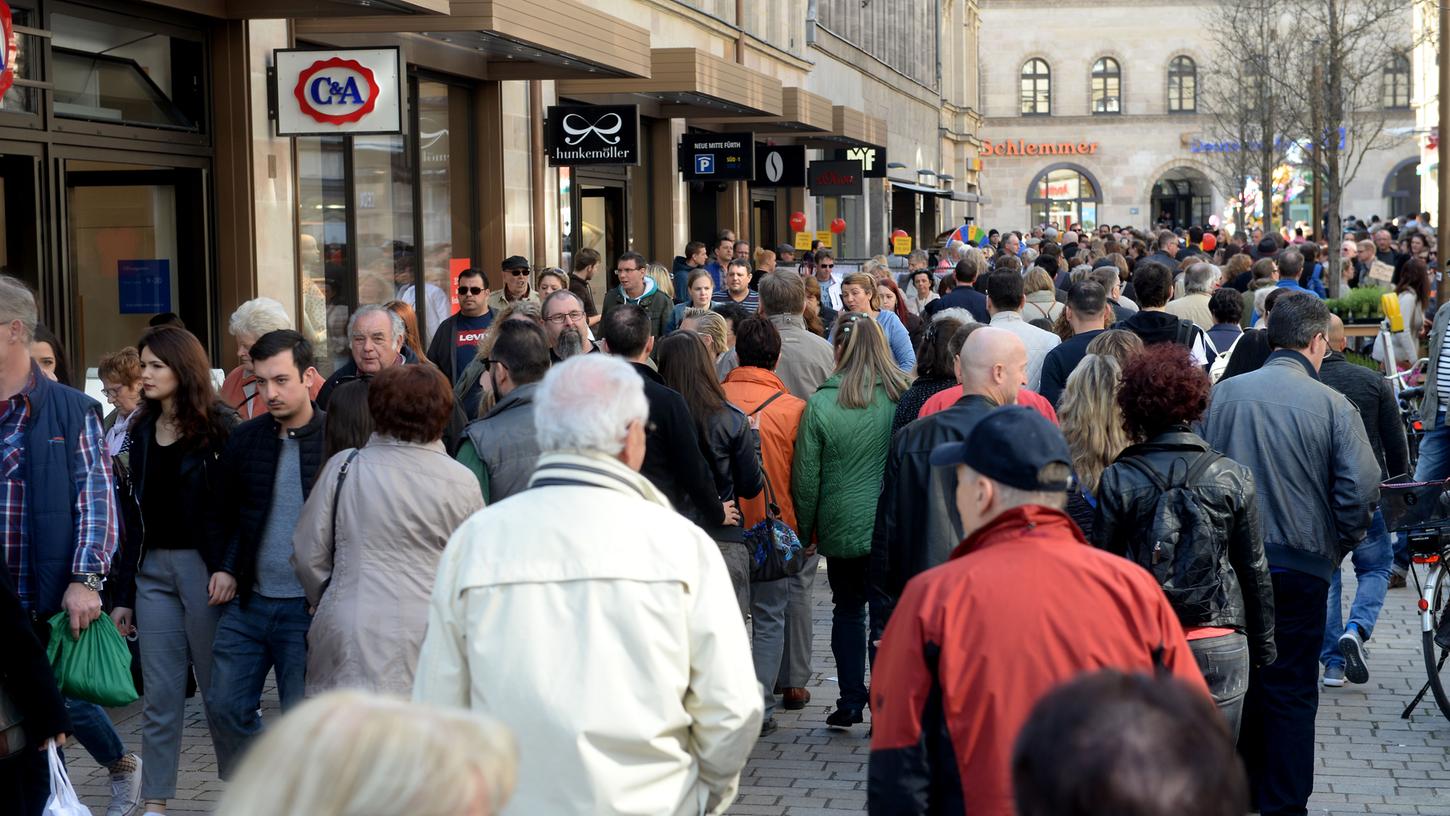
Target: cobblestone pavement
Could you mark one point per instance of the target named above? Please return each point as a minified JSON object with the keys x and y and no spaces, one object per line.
{"x":1369,"y":760}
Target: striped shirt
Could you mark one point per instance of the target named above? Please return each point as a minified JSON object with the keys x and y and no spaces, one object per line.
{"x":751,"y":301}
{"x":96,"y":527}
{"x":1442,"y":370}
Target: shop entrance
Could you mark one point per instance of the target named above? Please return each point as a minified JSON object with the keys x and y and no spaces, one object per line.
{"x":601,"y":224}
{"x":1402,"y":189}
{"x":1181,"y":198}
{"x":135,"y":239}
{"x":19,"y":225}
{"x":762,"y":222}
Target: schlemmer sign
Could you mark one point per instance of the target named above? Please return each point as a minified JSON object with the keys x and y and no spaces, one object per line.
{"x":592,"y":134}
{"x":355,"y":90}
{"x":1018,"y":147}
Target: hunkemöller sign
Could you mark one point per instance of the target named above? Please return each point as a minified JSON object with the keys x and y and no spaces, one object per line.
{"x":1018,"y":147}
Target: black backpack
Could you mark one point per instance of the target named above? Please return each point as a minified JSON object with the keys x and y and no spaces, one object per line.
{"x":1179,"y":542}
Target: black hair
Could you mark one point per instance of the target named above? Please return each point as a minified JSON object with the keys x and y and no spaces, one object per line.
{"x":1152,"y":284}
{"x":62,"y":367}
{"x":349,"y":423}
{"x":276,"y":342}
{"x":966,"y":271}
{"x":757,"y":342}
{"x":732,"y":312}
{"x":474,"y":272}
{"x":625,"y":330}
{"x":1130,"y":745}
{"x":524,"y":348}
{"x":934,"y":355}
{"x":1004,"y":290}
{"x":1226,"y":305}
{"x":1087,"y":297}
{"x":166,"y":319}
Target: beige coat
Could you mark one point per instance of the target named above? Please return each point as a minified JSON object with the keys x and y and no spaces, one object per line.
{"x":1192,"y":307}
{"x":397,"y":508}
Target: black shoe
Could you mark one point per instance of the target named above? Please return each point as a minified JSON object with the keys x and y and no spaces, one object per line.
{"x":1442,"y":632}
{"x":843,"y":717}
{"x":768,"y":727}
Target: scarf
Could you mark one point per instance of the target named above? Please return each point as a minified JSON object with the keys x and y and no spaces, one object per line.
{"x":598,"y":470}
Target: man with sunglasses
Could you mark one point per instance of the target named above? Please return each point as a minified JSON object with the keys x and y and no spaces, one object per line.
{"x":456,"y":341}
{"x":517,"y":284}
{"x":826,"y":277}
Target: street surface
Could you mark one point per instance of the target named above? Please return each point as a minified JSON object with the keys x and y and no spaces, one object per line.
{"x":1369,"y":760}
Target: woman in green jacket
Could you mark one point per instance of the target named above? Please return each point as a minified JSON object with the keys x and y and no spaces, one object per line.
{"x":840,"y":455}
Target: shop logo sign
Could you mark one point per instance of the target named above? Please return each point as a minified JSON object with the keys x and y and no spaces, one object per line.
{"x":872,"y":159}
{"x":780,"y":166}
{"x":7,"y":49}
{"x":351,"y":90}
{"x":704,"y":164}
{"x":835,"y":178}
{"x":592,"y":134}
{"x":337,"y":91}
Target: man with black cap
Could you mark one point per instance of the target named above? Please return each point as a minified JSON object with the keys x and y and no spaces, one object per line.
{"x":945,"y":718}
{"x":517,"y":284}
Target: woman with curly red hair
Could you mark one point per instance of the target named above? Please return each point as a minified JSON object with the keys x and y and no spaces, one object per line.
{"x":1187,"y":514}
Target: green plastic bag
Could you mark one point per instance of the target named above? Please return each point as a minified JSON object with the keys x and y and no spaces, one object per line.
{"x":95,"y":667}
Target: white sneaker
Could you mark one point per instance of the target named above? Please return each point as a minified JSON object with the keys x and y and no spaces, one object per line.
{"x":126,"y":790}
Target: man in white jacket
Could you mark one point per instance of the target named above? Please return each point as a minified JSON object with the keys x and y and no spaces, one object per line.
{"x":596,"y":622}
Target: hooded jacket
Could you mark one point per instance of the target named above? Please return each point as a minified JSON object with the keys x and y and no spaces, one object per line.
{"x":1161,"y":327}
{"x":652,"y":300}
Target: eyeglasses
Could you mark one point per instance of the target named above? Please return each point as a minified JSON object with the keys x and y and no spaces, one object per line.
{"x":566,"y":317}
{"x":518,"y":273}
{"x":827,"y":266}
{"x":619,"y":270}
{"x":471,"y":290}
{"x":112,"y":391}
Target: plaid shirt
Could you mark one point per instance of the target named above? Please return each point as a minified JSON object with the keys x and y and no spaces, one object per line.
{"x":96,"y":529}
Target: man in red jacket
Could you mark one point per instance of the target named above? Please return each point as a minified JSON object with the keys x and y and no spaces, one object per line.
{"x":1022,"y":605}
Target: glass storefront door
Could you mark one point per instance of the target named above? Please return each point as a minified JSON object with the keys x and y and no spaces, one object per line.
{"x":135,"y":244}
{"x":600,"y":225}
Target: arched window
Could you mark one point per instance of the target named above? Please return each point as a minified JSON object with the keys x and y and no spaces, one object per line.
{"x":1066,"y":195}
{"x":1107,"y":86}
{"x":1397,"y":82}
{"x":1036,"y":88}
{"x":1182,"y":85}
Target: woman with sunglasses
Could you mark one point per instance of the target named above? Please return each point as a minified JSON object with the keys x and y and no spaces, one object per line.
{"x":835,"y":480}
{"x":173,"y":581}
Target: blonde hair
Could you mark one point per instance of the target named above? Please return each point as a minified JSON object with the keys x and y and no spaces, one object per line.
{"x":353,"y":753}
{"x":866,"y":281}
{"x":1038,"y":280}
{"x":864,"y":361}
{"x":1091,"y":419}
{"x":876,"y":267}
{"x":711,"y":324}
{"x":662,"y":279}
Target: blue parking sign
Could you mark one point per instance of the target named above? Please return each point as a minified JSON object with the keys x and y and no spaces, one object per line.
{"x":704,"y":163}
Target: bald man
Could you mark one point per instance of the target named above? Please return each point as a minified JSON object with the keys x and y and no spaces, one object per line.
{"x":1375,"y":560}
{"x":916,"y":524}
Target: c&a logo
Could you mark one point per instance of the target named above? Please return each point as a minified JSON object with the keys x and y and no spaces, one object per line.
{"x":336,"y":91}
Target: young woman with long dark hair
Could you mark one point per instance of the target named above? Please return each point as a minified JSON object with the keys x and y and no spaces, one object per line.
{"x":174,"y":580}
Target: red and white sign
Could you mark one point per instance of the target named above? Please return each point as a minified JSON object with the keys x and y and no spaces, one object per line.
{"x":7,"y":54}
{"x":356,"y":90}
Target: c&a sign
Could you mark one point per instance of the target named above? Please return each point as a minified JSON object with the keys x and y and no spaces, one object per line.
{"x":357,"y":90}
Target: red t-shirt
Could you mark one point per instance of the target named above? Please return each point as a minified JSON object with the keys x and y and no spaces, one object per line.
{"x":944,"y":399}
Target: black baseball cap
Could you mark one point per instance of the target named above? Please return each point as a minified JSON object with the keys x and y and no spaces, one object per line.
{"x":1011,"y":445}
{"x":515,"y":262}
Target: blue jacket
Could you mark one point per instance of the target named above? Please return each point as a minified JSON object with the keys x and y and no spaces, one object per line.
{"x":58,"y":416}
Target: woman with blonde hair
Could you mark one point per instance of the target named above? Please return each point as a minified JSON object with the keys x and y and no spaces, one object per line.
{"x":351,"y":753}
{"x":835,"y":480}
{"x":550,"y":281}
{"x":660,"y":274}
{"x":1041,"y":296}
{"x":712,"y":328}
{"x":1092,"y":422}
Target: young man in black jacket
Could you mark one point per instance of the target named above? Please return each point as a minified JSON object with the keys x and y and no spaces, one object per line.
{"x":267,"y":467}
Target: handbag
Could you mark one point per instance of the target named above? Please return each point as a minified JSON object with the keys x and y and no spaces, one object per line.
{"x":775,"y":549}
{"x":96,"y":666}
{"x":63,"y":800}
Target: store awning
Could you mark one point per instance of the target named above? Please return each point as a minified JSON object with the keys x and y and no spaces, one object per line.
{"x":919,"y":188}
{"x":513,"y":39}
{"x":801,"y":112}
{"x":850,"y":128}
{"x":689,"y":83}
{"x":270,"y":9}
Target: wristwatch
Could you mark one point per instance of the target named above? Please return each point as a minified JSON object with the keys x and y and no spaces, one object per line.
{"x":91,"y":580}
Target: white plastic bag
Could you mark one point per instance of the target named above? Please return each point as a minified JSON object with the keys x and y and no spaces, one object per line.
{"x":63,"y":800}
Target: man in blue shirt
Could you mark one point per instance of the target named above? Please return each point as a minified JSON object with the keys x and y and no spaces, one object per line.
{"x":456,"y":341}
{"x":724,"y":254}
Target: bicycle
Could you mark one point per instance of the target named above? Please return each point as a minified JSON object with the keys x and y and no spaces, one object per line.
{"x":1421,"y":510}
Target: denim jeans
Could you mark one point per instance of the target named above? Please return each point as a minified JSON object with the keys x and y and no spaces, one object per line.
{"x":1434,"y":462}
{"x":1372,"y":560}
{"x":1277,"y":736}
{"x":767,"y":634}
{"x":848,"y":628}
{"x":251,"y":640}
{"x":95,"y":732}
{"x":1224,"y":661}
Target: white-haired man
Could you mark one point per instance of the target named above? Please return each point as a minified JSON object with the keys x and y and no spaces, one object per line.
{"x":607,"y":637}
{"x":375,"y":336}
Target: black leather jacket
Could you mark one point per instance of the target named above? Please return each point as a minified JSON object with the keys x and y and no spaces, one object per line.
{"x":732,"y":450}
{"x":1126,"y":500}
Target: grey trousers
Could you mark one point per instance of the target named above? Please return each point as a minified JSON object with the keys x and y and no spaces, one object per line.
{"x":737,"y":563}
{"x":795,"y":671}
{"x":175,"y":629}
{"x":767,"y":634}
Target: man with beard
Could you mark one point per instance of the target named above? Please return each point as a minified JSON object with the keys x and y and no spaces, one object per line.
{"x":565,"y":324}
{"x":502,"y":448}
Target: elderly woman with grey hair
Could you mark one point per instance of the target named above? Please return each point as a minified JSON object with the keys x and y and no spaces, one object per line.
{"x":250,"y":321}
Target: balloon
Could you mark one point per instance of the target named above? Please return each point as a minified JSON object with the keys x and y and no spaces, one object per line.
{"x":798,"y":221}
{"x":1210,"y":243}
{"x":901,"y":233}
{"x":838,"y":226}
{"x":1213,"y":220}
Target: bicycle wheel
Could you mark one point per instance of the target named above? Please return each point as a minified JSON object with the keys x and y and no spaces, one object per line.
{"x":1437,"y":589}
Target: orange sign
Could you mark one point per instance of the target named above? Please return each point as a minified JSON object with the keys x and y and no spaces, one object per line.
{"x":1018,"y":147}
